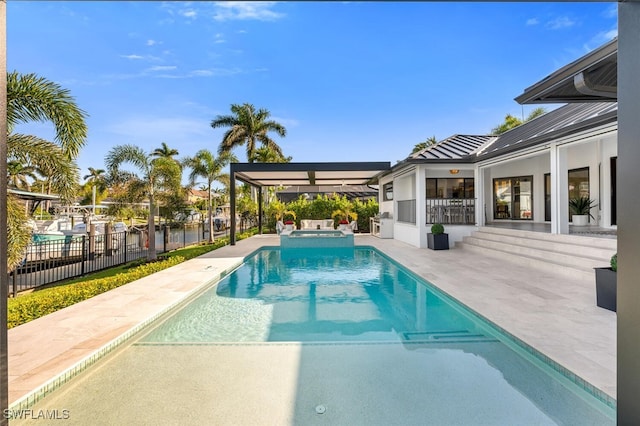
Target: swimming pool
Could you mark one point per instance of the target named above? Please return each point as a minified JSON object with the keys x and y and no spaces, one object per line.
{"x":379,"y":346}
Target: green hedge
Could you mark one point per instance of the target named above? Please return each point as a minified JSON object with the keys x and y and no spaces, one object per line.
{"x":42,"y":302}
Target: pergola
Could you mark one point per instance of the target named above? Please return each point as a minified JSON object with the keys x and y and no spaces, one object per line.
{"x":261,"y":175}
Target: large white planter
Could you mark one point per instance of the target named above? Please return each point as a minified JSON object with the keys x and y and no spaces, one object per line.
{"x":580,"y":219}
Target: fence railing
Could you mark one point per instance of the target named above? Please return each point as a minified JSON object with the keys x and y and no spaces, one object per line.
{"x":456,"y":211}
{"x":62,"y":257}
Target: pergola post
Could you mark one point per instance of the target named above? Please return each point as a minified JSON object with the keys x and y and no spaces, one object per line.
{"x":232,"y":204}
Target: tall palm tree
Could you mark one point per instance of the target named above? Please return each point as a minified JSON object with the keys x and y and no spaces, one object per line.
{"x":204,"y":164}
{"x":156,"y":174}
{"x":164,"y":151}
{"x":95,"y":175}
{"x":95,"y":186}
{"x":34,"y":98}
{"x":248,"y":126}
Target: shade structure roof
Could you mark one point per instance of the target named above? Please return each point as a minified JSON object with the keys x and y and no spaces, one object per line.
{"x":301,"y":174}
{"x":591,"y":78}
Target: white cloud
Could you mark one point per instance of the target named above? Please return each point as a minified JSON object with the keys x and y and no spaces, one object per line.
{"x":532,"y":21}
{"x":162,"y":68}
{"x":243,"y":10}
{"x":132,"y":57}
{"x":151,"y":42}
{"x":560,"y":23}
{"x":189,"y":13}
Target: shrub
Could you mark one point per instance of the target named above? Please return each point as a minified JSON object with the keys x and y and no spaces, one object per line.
{"x":437,"y":229}
{"x":614,"y":262}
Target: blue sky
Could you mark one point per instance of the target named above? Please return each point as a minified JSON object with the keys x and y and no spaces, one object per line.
{"x":351,"y":81}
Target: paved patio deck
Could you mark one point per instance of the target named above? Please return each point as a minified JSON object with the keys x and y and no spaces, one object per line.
{"x":555,"y":315}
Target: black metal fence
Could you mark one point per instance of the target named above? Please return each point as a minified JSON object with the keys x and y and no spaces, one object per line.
{"x":67,"y":256}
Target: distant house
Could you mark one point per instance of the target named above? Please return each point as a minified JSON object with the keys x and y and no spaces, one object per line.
{"x":527,"y":174}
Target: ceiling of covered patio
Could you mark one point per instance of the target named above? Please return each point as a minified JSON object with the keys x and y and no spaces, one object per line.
{"x":312,"y":174}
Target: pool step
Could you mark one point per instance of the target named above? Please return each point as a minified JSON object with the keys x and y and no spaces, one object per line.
{"x":571,"y":255}
{"x":458,"y":336}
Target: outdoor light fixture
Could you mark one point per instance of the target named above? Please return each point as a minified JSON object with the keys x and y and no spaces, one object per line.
{"x":454,"y":171}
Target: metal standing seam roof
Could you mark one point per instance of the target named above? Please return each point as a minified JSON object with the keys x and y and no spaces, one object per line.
{"x":456,"y":147}
{"x":566,"y":119}
{"x":591,"y":78}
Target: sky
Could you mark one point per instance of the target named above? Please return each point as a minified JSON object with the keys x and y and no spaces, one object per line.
{"x":350,"y":81}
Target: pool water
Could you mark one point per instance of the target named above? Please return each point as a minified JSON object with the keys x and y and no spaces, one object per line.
{"x":353,"y":296}
{"x":319,"y":295}
{"x":349,"y":330}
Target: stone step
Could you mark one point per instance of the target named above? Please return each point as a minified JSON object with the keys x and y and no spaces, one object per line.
{"x":542,"y":264}
{"x":582,"y":240}
{"x":572,"y":255}
{"x":577,"y":247}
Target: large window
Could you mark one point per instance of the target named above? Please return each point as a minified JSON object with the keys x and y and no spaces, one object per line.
{"x":513,"y":198}
{"x":387,"y":192}
{"x":450,"y":188}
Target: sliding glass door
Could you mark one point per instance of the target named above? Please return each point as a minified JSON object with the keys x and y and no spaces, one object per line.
{"x":513,"y":198}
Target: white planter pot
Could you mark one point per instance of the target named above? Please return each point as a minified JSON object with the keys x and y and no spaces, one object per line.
{"x":580,"y":219}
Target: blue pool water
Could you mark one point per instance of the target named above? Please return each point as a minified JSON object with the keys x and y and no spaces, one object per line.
{"x":360,"y":297}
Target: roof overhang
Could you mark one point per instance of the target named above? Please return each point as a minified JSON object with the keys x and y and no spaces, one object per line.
{"x":32,"y":196}
{"x":301,"y":174}
{"x":591,"y":78}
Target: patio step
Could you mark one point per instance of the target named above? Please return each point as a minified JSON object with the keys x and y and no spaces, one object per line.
{"x":572,"y":255}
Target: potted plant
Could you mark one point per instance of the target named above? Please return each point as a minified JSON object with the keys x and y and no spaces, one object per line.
{"x":289,"y":222}
{"x":606,"y":285}
{"x":581,"y":210}
{"x":437,"y":239}
{"x":344,"y":214}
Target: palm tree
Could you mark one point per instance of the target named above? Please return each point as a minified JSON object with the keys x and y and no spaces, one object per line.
{"x":264,"y":154}
{"x":156,"y":174}
{"x":95,"y":186}
{"x":248,"y":127}
{"x":18,"y":175}
{"x":510,"y":121}
{"x":164,"y":151}
{"x":422,"y":145}
{"x":33,"y":98}
{"x":205,"y":164}
{"x":95,"y":175}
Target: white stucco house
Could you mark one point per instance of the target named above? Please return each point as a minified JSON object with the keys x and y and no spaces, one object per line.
{"x":526,"y":175}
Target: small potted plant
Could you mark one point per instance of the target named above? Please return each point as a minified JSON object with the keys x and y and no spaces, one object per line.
{"x":344,"y":215}
{"x":437,"y":239}
{"x":581,"y":210}
{"x":606,"y":285}
{"x":289,"y":222}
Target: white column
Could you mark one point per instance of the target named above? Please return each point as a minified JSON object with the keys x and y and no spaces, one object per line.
{"x":421,"y":204}
{"x":478,"y":182}
{"x":559,"y":191}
